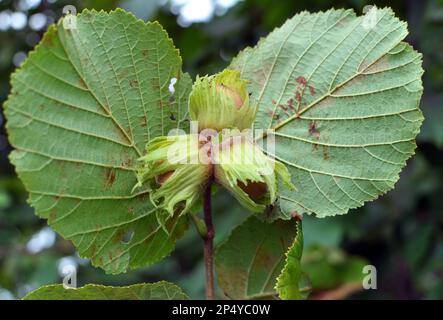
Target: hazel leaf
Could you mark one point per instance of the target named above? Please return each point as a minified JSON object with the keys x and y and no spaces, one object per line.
{"x":341,"y":95}
{"x":144,"y":291}
{"x":249,"y":261}
{"x":81,"y":109}
{"x":292,"y":283}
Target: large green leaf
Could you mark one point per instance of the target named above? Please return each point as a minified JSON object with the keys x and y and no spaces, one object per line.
{"x":342,"y":97}
{"x":250,"y":260}
{"x":289,"y":281}
{"x":144,"y":291}
{"x":81,"y":110}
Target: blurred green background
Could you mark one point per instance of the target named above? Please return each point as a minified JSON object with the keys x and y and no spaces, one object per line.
{"x":401,"y":233}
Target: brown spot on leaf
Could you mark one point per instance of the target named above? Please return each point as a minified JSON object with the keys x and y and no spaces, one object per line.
{"x":298,"y":96}
{"x":313,"y":131}
{"x":290,"y":104}
{"x":325,"y":152}
{"x":82,"y":83}
{"x":62,"y":169}
{"x":48,"y":41}
{"x":272,"y":115}
{"x":311,"y":90}
{"x":301,"y":80}
{"x":109,"y":177}
{"x":145,"y":53}
{"x":52,"y":214}
{"x":93,"y":249}
{"x":133,"y":83}
{"x":128,"y":163}
{"x":284,"y":108}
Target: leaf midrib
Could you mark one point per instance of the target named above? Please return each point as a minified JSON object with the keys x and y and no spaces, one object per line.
{"x":108,"y":112}
{"x":300,"y":57}
{"x":330,"y":92}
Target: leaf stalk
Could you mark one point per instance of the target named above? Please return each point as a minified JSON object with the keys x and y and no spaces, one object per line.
{"x":209,"y":243}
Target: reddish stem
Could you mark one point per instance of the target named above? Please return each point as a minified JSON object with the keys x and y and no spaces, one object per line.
{"x":209,"y":244}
